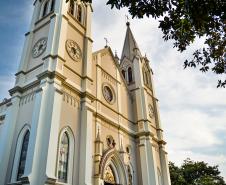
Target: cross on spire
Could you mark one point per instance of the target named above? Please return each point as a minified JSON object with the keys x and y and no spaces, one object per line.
{"x":127,"y":20}
{"x":106,"y":40}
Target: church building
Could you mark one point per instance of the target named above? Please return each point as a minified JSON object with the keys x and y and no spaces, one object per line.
{"x":78,"y":117}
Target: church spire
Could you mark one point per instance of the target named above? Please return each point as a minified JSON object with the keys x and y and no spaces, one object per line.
{"x":130,"y":47}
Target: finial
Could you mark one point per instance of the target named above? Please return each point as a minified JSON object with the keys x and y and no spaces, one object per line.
{"x":106,"y":40}
{"x":98,"y":134}
{"x":116,"y":56}
{"x":127,"y":20}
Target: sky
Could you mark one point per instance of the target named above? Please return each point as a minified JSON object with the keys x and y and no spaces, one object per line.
{"x":192,"y":109}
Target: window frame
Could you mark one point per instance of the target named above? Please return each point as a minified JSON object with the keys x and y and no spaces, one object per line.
{"x":19,"y":144}
{"x":70,"y":135}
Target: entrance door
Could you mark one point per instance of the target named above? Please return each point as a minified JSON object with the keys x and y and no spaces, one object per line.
{"x":107,"y":183}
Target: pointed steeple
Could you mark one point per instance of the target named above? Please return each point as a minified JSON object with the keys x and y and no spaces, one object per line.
{"x":130,"y":47}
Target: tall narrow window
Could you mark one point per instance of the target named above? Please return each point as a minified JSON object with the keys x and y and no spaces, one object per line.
{"x":124,"y":74}
{"x":130,"y":75}
{"x":72,"y":7}
{"x":52,"y":5}
{"x":63,"y":158}
{"x":45,"y":8}
{"x":23,"y":155}
{"x":79,"y":13}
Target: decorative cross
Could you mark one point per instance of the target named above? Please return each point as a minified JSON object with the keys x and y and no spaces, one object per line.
{"x":127,"y":18}
{"x":106,"y":40}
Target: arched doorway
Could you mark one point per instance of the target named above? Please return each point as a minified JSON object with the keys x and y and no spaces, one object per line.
{"x":109,"y":176}
{"x":113,"y":171}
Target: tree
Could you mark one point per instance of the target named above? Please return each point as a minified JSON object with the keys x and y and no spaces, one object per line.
{"x":195,"y":173}
{"x":183,"y":21}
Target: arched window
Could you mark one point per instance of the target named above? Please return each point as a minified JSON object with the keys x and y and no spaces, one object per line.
{"x":79,"y":13}
{"x":63,"y":158}
{"x":72,"y":7}
{"x":52,"y":5}
{"x":130,"y":75}
{"x":45,"y":9}
{"x":23,"y":155}
{"x":124,"y":74}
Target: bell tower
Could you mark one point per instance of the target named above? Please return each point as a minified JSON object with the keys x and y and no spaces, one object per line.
{"x":57,"y":52}
{"x":138,"y":75}
{"x":59,"y":40}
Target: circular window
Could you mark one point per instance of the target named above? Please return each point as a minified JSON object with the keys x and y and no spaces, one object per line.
{"x":108,"y":93}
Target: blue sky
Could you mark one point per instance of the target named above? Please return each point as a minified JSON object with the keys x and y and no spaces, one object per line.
{"x":193,"y":111}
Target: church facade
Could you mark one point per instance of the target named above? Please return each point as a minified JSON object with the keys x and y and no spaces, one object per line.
{"x":77,"y":117}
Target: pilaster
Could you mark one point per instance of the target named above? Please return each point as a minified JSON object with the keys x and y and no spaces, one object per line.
{"x":40,"y":165}
{"x":148,"y":161}
{"x":152,"y":167}
{"x":86,"y":144}
{"x":144,"y":161}
{"x":6,"y":138}
{"x":87,"y":58}
{"x":164,"y":165}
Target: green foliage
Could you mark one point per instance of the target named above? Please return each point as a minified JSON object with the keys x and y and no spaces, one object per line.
{"x":183,"y":21}
{"x":195,"y":173}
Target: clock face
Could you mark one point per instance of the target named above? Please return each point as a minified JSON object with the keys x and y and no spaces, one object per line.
{"x":108,"y":94}
{"x":151,"y":110}
{"x":39,"y":47}
{"x":73,"y":50}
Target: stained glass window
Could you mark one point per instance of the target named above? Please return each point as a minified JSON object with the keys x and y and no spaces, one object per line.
{"x":23,"y":155}
{"x":63,"y":158}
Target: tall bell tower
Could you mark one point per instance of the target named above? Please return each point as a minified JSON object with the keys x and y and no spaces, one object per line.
{"x":56,"y":53}
{"x":60,"y":34}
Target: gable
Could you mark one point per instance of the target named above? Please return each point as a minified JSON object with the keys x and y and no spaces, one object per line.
{"x":111,"y":76}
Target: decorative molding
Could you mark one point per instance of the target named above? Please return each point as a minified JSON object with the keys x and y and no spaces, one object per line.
{"x":50,"y":14}
{"x":27,"y":98}
{"x":30,"y":70}
{"x":72,"y":100}
{"x":107,"y":76}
